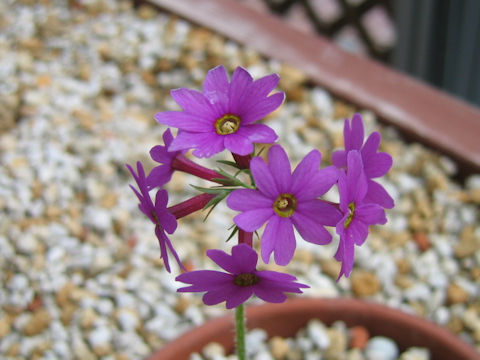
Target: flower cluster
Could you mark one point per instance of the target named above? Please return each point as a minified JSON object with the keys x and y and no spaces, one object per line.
{"x":226,"y":115}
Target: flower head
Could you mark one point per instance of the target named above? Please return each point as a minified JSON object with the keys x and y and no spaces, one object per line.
{"x":375,"y":163}
{"x":223,"y":115}
{"x":157,"y":213}
{"x":240,"y":281}
{"x":285,"y":200}
{"x":357,"y":213}
{"x":162,"y":174}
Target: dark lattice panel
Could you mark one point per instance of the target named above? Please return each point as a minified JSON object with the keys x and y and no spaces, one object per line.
{"x":359,"y":26}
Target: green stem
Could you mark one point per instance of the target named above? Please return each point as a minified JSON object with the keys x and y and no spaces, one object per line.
{"x":240,"y":332}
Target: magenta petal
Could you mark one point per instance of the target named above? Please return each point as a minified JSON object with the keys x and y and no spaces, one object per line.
{"x":238,"y":144}
{"x":378,"y":165}
{"x":160,"y":175}
{"x":371,"y":145}
{"x":378,"y":195}
{"x":285,"y":243}
{"x":252,"y":220}
{"x":311,"y":230}
{"x":323,"y":212}
{"x":205,"y":145}
{"x":370,"y":214}
{"x":339,"y":158}
{"x":318,"y":183}
{"x":240,"y":295}
{"x":224,"y":260}
{"x":263,"y":177}
{"x":245,"y":258}
{"x":184,"y":121}
{"x":192,"y":102}
{"x":279,"y":166}
{"x":248,"y":199}
{"x":305,"y":170}
{"x":269,"y":293}
{"x":358,"y":232}
{"x":356,"y":134}
{"x":356,"y":179}
{"x":241,"y":81}
{"x":220,"y":294}
{"x":159,"y":153}
{"x":262,"y":87}
{"x":216,"y":80}
{"x":261,"y":108}
{"x":203,"y":280}
{"x":276,"y":276}
{"x":258,"y":133}
{"x":345,"y":254}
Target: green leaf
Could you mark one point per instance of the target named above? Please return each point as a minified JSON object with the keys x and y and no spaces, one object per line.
{"x":214,"y":202}
{"x":229,"y":163}
{"x":232,"y":234}
{"x":212,"y":190}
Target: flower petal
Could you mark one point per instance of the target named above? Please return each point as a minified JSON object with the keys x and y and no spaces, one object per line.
{"x":241,"y":81}
{"x":356,"y":179}
{"x":354,"y":141}
{"x":261,"y":108}
{"x":193,"y":102}
{"x":378,"y":165}
{"x":216,"y":80}
{"x":184,"y":121}
{"x":279,"y":166}
{"x":263,"y":86}
{"x":358,"y":232}
{"x":203,"y":280}
{"x":238,"y":144}
{"x":263,"y":177}
{"x":370,"y":214}
{"x":304,"y":171}
{"x":160,"y":175}
{"x":345,"y":254}
{"x":339,"y":158}
{"x":318,"y":183}
{"x":252,"y":220}
{"x":279,"y":238}
{"x":378,"y":195}
{"x":258,"y":133}
{"x":311,"y":230}
{"x":206,"y":144}
{"x":245,"y":258}
{"x":248,"y":199}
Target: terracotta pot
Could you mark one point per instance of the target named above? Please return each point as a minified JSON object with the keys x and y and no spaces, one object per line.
{"x":287,"y":318}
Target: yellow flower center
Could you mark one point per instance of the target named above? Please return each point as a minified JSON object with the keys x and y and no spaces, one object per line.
{"x":285,"y":205}
{"x":246,"y":280}
{"x":227,"y":124}
{"x":349,"y":219}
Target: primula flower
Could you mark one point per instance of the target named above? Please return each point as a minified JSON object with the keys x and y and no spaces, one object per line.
{"x":223,"y":115}
{"x":357,"y":213}
{"x":162,"y":174}
{"x":157,"y":213}
{"x":375,"y":163}
{"x":285,"y":200}
{"x":241,"y":280}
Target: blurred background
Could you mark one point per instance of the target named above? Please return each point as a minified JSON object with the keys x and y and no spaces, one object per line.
{"x":437,"y":41}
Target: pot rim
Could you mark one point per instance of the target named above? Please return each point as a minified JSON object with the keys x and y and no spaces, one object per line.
{"x":405,"y":329}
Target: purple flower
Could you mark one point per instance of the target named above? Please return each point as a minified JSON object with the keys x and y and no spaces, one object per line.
{"x":375,"y":163}
{"x":357,"y":213}
{"x":224,"y":114}
{"x":157,"y":213}
{"x":162,"y":174}
{"x":285,"y":200}
{"x":241,"y":281}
